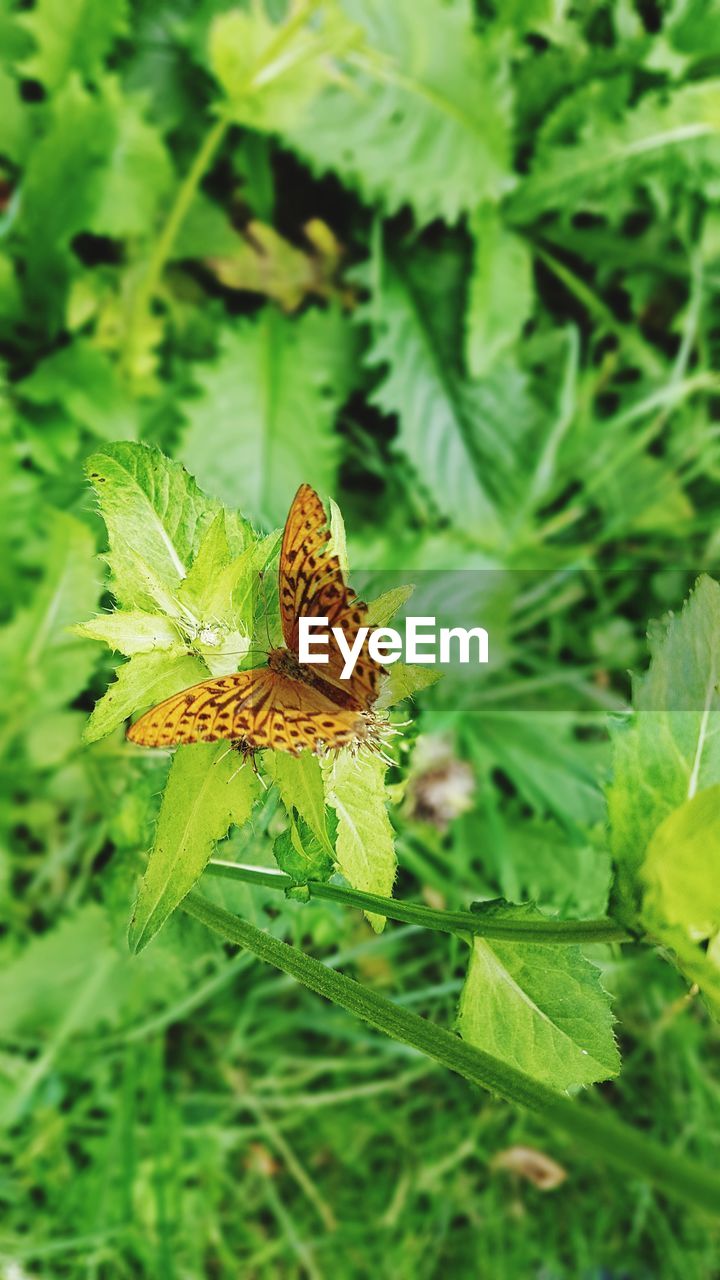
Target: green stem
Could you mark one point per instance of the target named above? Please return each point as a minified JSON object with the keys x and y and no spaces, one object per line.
{"x":462,"y":922}
{"x":147,"y":287}
{"x":599,"y":1135}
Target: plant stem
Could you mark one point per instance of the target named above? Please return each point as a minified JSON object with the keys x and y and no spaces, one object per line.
{"x":147,"y":286}
{"x":462,"y":922}
{"x":610,"y":1139}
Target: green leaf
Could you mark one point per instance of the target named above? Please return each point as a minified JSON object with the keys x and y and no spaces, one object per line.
{"x":77,"y":139}
{"x":404,"y":681}
{"x":464,"y":439}
{"x":364,"y":848}
{"x":41,"y":664}
{"x":668,"y":751}
{"x":682,"y":867}
{"x":143,"y":681}
{"x":34,"y":986}
{"x":131,"y":631}
{"x":137,"y":175}
{"x":538,"y":860}
{"x":540,"y":1009}
{"x":156,"y":517}
{"x":207,"y":791}
{"x":422,"y":118}
{"x":219,"y":584}
{"x":71,"y":34}
{"x":545,"y":762}
{"x":271,"y":72}
{"x":16,"y":119}
{"x":699,"y":965}
{"x":301,"y":855}
{"x":384,"y":607}
{"x":82,"y":380}
{"x":300,"y":783}
{"x":212,"y":557}
{"x":285,"y":380}
{"x":206,"y":232}
{"x":500,"y":296}
{"x":675,"y":135}
{"x":338,"y":539}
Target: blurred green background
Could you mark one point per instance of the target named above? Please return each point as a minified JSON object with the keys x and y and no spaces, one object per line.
{"x":457,"y":266}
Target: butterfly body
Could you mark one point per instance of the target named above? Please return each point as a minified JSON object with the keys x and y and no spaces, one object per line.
{"x":287,"y":705}
{"x":286,"y":664}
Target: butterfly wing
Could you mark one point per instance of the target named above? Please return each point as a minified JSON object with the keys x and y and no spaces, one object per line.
{"x":261,"y":706}
{"x":312,"y":586}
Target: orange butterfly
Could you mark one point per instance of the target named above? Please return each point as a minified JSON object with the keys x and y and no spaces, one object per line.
{"x":285,"y":706}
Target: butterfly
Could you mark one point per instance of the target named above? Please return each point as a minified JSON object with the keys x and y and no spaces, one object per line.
{"x":286,"y":706}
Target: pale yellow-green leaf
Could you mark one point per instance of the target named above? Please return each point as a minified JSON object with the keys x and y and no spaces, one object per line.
{"x":382,"y":609}
{"x":131,"y":631}
{"x":365,"y":847}
{"x":682,"y":866}
{"x":338,"y":541}
{"x":272,"y":72}
{"x":300,"y":783}
{"x":206,"y":793}
{"x":403,"y":681}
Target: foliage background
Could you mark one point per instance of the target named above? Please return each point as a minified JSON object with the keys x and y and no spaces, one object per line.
{"x":457,"y":267}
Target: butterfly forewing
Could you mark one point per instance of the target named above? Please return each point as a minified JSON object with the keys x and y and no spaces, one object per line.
{"x":261,"y":706}
{"x":312,"y":586}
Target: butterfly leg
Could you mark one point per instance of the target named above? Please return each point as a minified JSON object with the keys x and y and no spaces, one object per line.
{"x":248,"y":753}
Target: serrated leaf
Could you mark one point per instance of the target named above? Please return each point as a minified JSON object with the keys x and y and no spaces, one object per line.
{"x":500,"y":294}
{"x":403,"y":681}
{"x":676,"y":133}
{"x":421,"y":117}
{"x":301,"y":855}
{"x":300,"y":783}
{"x":463,"y":438}
{"x":207,"y":791}
{"x":71,"y":34}
{"x":143,"y":681}
{"x":541,"y":1009}
{"x":364,"y":846}
{"x":381,"y":610}
{"x":156,"y":516}
{"x":669,"y":750}
{"x":131,"y":631}
{"x":269,"y":405}
{"x":212,"y":557}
